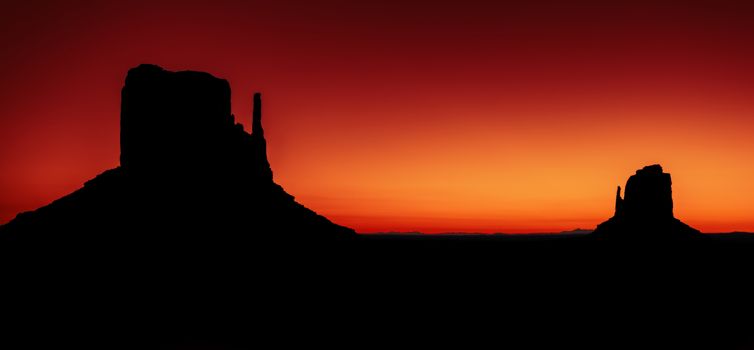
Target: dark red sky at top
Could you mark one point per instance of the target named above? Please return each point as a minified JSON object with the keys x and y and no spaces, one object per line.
{"x":409,"y":115}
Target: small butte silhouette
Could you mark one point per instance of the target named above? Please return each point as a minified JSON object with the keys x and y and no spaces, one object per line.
{"x":646,"y":211}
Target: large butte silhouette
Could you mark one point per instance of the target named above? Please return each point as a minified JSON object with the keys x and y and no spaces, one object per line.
{"x":646,"y":212}
{"x":187,"y":169}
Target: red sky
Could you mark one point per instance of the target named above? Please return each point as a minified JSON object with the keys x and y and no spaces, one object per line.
{"x":431,"y":116}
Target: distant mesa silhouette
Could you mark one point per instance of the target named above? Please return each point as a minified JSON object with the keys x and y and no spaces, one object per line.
{"x":646,"y":212}
{"x":186,"y":167}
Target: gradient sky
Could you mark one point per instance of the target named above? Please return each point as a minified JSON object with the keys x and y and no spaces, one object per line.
{"x":399,"y":116}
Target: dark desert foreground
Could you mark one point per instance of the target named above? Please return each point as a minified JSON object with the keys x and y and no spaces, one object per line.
{"x":191,"y":244}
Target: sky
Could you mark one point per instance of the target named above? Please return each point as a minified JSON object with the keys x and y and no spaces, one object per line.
{"x":430,"y":116}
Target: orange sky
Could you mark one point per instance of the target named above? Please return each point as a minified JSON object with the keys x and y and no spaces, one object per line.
{"x":410,"y":116}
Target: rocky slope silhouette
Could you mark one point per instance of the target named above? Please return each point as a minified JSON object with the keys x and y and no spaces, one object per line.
{"x":646,"y":212}
{"x":187,"y":170}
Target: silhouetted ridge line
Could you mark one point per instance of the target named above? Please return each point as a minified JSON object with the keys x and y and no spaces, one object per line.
{"x":646,"y":212}
{"x":187,"y":170}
